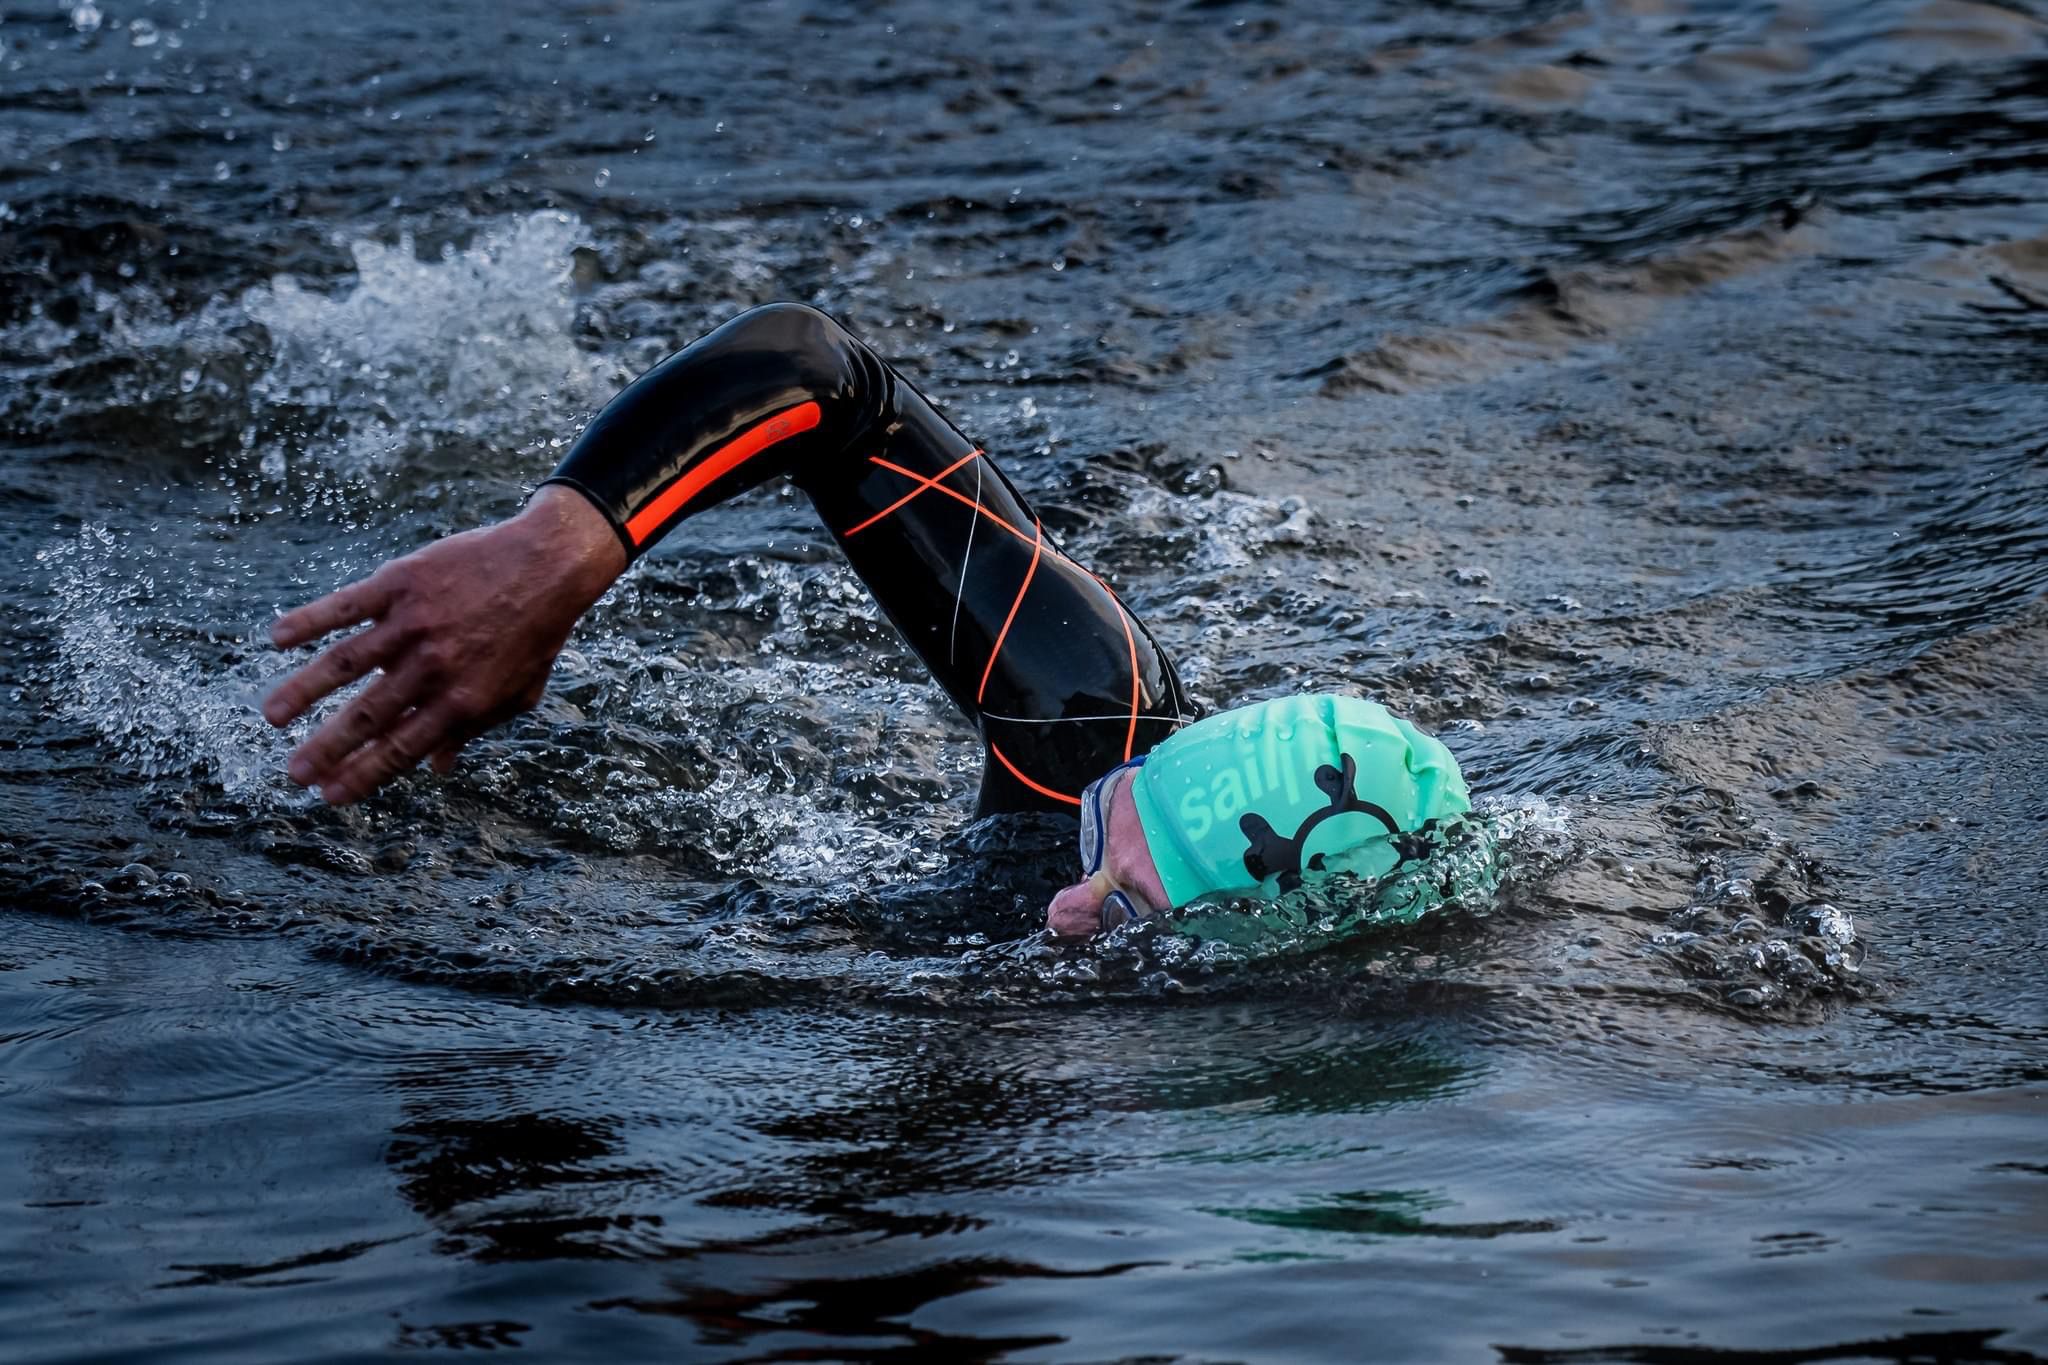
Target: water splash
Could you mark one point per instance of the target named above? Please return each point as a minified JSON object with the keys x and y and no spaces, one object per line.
{"x":785,"y":766}
{"x":474,"y":353}
{"x":723,"y":771}
{"x":172,"y":696}
{"x":1463,"y":873}
{"x":478,"y":345}
{"x":1223,"y":531}
{"x":1765,"y":940}
{"x":736,"y":769}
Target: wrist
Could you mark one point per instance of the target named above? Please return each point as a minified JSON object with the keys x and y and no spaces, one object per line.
{"x":577,"y":538}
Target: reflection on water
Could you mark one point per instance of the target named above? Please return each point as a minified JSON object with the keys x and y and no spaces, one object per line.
{"x":1643,"y":396}
{"x":796,"y":1182}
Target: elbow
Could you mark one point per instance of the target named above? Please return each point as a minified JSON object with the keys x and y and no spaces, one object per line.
{"x":817,"y":355}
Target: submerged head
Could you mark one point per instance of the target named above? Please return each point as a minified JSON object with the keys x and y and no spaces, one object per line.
{"x":1255,"y":802}
{"x":1120,"y":881}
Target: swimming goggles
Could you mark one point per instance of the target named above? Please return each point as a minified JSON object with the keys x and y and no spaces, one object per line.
{"x":1119,"y":903}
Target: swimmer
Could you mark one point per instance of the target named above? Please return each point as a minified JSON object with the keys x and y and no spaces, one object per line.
{"x":1078,"y":706}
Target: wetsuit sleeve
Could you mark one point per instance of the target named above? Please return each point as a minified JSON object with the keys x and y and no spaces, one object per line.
{"x":777,"y":388}
{"x":1060,"y":678}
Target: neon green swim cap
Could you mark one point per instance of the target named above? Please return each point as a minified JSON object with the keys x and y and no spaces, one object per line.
{"x":1256,"y":800}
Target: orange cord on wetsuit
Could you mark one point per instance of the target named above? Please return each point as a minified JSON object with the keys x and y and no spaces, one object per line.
{"x":1036,"y":649}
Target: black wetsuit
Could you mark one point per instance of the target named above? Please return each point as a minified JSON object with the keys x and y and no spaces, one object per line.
{"x":1063,"y":681}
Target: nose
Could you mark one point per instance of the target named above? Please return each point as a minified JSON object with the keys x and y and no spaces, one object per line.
{"x":1076,"y":912}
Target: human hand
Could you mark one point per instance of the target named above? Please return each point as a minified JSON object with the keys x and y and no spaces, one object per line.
{"x":465,"y":633}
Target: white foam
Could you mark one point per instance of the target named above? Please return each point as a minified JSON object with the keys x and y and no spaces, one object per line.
{"x":165,"y":709}
{"x":1230,"y":528}
{"x":479,"y":343}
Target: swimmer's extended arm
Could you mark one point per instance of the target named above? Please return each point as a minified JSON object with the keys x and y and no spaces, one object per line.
{"x":465,"y":632}
{"x":1061,"y":679}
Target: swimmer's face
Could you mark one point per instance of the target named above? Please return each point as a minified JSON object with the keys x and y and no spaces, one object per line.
{"x":1076,"y":912}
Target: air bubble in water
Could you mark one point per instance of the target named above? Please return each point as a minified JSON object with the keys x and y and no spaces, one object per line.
{"x":142,"y":33}
{"x":603,"y":178}
{"x":86,"y":18}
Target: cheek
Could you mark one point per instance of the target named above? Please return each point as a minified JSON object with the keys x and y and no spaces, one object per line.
{"x":1075,"y":912}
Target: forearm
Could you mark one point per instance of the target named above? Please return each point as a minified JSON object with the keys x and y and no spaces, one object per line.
{"x":773,"y":390}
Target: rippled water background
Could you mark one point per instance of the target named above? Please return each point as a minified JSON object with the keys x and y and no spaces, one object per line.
{"x":1647,"y":396}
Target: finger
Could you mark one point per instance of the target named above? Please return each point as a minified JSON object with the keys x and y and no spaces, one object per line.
{"x":451,"y":746}
{"x":358,"y":602}
{"x":373,"y":713}
{"x":338,"y":666}
{"x":388,"y":756}
{"x":463,"y":733}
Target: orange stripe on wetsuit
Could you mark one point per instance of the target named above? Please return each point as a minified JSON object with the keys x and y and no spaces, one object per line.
{"x":719,"y":463}
{"x":1038,"y":787}
{"x":926,"y":484}
{"x":1037,"y":548}
{"x":922,"y":484}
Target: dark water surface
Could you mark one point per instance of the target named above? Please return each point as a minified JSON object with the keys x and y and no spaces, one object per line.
{"x":1647,"y":397}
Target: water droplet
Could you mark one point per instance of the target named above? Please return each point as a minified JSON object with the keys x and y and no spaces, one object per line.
{"x":142,"y":33}
{"x":86,"y":17}
{"x":220,"y":170}
{"x":188,"y":380}
{"x":280,"y":142}
{"x":603,"y":178}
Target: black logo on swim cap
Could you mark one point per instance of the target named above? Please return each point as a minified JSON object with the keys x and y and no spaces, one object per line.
{"x":1269,"y":855}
